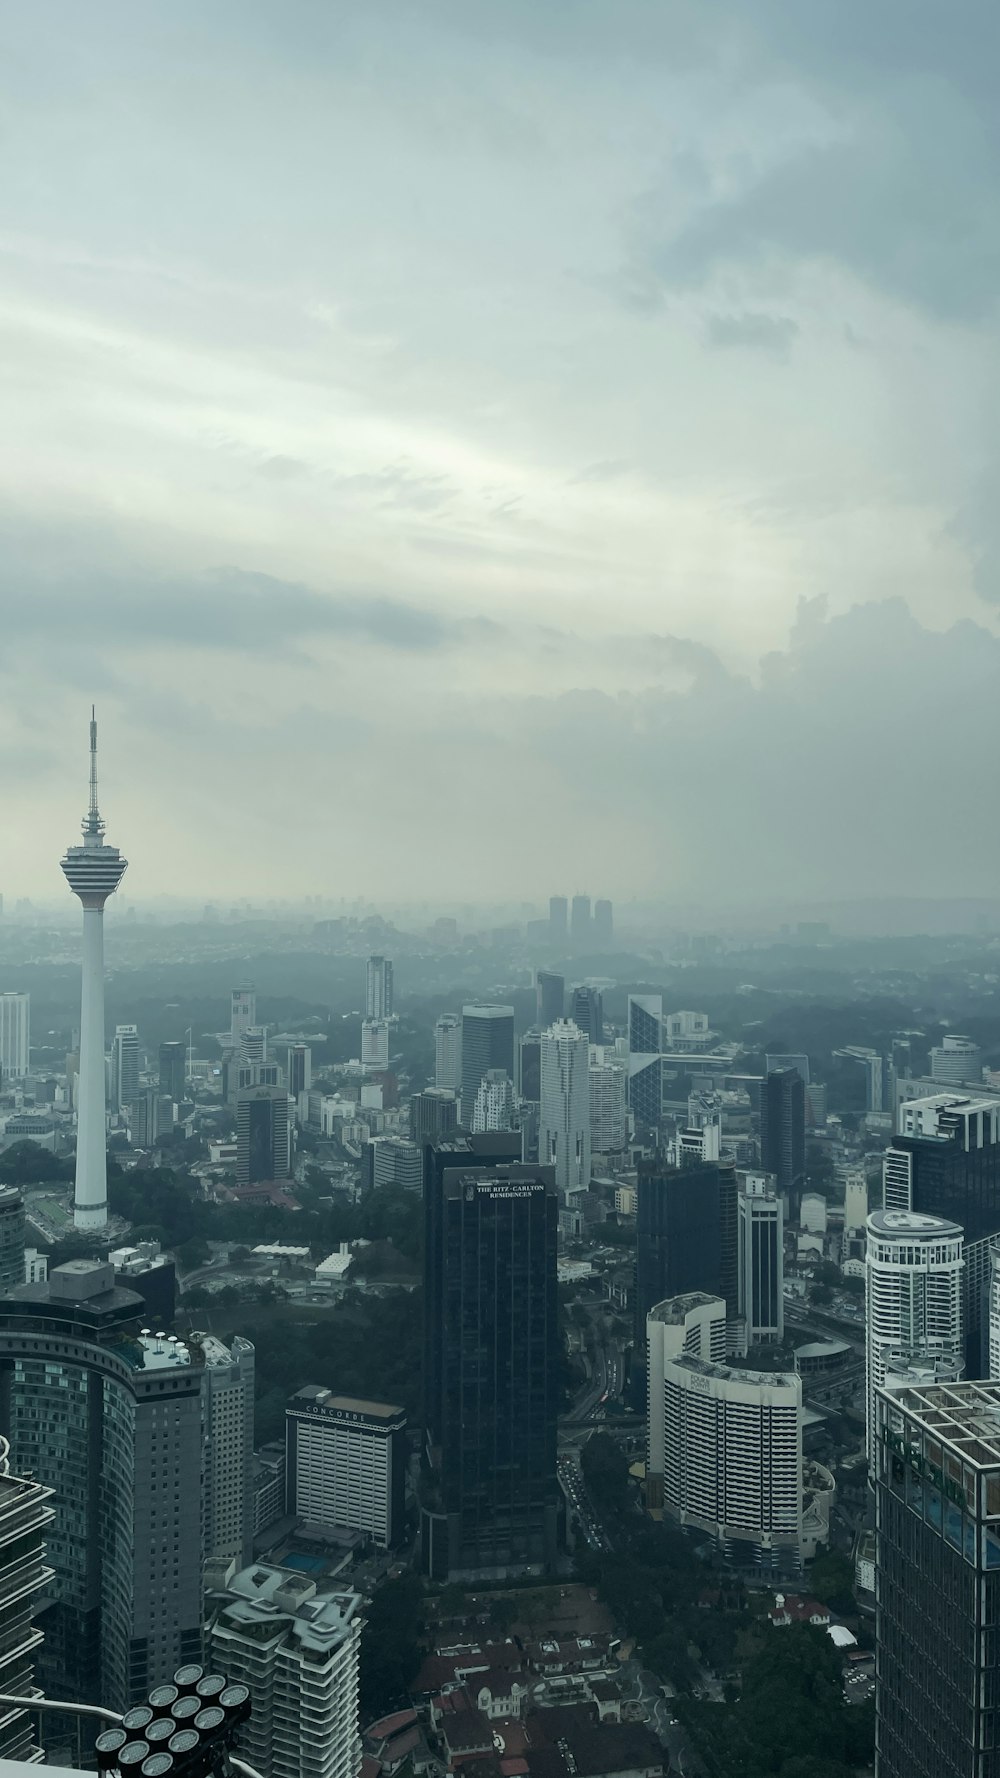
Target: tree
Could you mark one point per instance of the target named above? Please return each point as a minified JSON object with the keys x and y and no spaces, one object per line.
{"x":391,"y":1644}
{"x":503,"y":1613}
{"x":831,"y":1581}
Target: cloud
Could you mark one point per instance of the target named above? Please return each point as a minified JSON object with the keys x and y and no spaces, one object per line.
{"x":773,"y":334}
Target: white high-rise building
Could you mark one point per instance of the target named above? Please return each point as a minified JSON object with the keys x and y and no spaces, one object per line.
{"x":913,"y":1289}
{"x":732,"y":1458}
{"x":297,"y":1649}
{"x":496,"y":1103}
{"x":346,"y":1463}
{"x":378,"y":988}
{"x":564,"y":1118}
{"x":695,"y":1324}
{"x":15,"y":1035}
{"x":243,"y":1014}
{"x":93,"y":872}
{"x":227,"y":1407}
{"x":125,"y":1067}
{"x":375,"y":1044}
{"x":608,"y":1101}
{"x":448,"y":1053}
{"x":957,"y":1060}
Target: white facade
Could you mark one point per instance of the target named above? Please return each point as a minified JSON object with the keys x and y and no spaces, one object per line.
{"x":812,"y":1215}
{"x":958,"y":1060}
{"x":608,"y":1103}
{"x":855,"y":1200}
{"x":378,"y":988}
{"x":495,"y":1107}
{"x":345,"y":1463}
{"x":243,"y":1014}
{"x":694,"y":1324}
{"x":913,"y":1292}
{"x":396,"y":1162}
{"x":448,"y":1053}
{"x":375,"y":1044}
{"x":125,"y":1067}
{"x":564,"y":1117}
{"x":732,"y":1442}
{"x":227,"y":1406}
{"x":297,"y":1650}
{"x":15,"y":1035}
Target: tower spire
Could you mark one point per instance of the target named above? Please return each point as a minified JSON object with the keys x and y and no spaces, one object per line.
{"x":93,"y":761}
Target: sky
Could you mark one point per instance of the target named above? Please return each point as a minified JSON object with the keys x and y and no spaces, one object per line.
{"x":483,"y":448}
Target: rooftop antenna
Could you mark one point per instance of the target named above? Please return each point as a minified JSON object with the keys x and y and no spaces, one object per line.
{"x":93,"y":827}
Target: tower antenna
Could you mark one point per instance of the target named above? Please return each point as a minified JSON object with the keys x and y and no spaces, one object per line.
{"x":93,"y":760}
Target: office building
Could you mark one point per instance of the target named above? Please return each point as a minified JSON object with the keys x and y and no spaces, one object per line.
{"x":172,"y":1072}
{"x":299,"y":1069}
{"x":558,"y":920}
{"x":550,"y":997}
{"x":243,"y":1014}
{"x":396,"y":1162}
{"x":12,"y":1238}
{"x":495,"y":1106}
{"x":946,"y":1162}
{"x":783,"y":1134}
{"x":958,"y":1061}
{"x":25,"y":1515}
{"x":125,"y":1067}
{"x":375,"y":1044}
{"x":487,"y":1043}
{"x":564,"y":1117}
{"x":686,"y":1240}
{"x":529,"y":1066}
{"x":378,"y":988}
{"x":152,"y":1275}
{"x":15,"y":1035}
{"x":262,"y":1135}
{"x":604,"y":926}
{"x":580,"y":926}
{"x":761,"y":1297}
{"x":345,"y":1462}
{"x":608,"y":1103}
{"x":587,"y":1011}
{"x":645,"y":1043}
{"x":297,"y":1649}
{"x":913,"y":1292}
{"x":433,"y":1115}
{"x":448,"y":1053}
{"x":491,"y":1373}
{"x":253,"y":1044}
{"x":110,"y":1419}
{"x":994,"y":1314}
{"x":93,"y":872}
{"x":227,"y":1410}
{"x":696,"y":1324}
{"x":937,"y":1515}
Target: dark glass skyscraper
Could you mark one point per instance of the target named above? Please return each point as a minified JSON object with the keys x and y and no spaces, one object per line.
{"x":937,"y":1502}
{"x":262,"y":1151}
{"x":172,"y":1071}
{"x":487,"y":1042}
{"x":550,"y":997}
{"x":491,"y":1361}
{"x":783,"y":1134}
{"x":433,"y":1115}
{"x":687,"y":1239}
{"x":588,"y":1013}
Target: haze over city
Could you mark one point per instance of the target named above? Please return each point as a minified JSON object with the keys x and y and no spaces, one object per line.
{"x":570,"y":422}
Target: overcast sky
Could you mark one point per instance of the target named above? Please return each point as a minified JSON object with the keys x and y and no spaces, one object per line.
{"x":480,"y":447}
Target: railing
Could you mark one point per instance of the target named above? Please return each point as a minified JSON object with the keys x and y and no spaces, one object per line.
{"x":109,"y":1716}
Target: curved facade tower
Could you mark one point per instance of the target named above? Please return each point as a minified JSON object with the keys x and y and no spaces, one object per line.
{"x":93,"y":872}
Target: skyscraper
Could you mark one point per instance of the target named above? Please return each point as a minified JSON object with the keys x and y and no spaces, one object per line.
{"x":492,"y":1303}
{"x":12,"y":1238}
{"x":694,"y":1324}
{"x":378,"y":988}
{"x":299,"y":1069}
{"x":15,"y":1035}
{"x":433,"y":1115}
{"x":761,"y":1262}
{"x":913,"y":1291}
{"x":946,"y":1162}
{"x":125,"y":1067}
{"x":496,"y":1104}
{"x":172,"y":1071}
{"x":262,"y":1146}
{"x":686,"y":1240}
{"x":580,"y":927}
{"x":588,"y":1012}
{"x":558,"y":920}
{"x":227,"y":1409}
{"x":604,"y":926}
{"x":550,"y":995}
{"x":645,"y":1043}
{"x":346,"y":1463}
{"x":608,"y":1102}
{"x":937,"y":1515}
{"x":487,"y":1042}
{"x":529,"y":1066}
{"x":25,"y":1514}
{"x":448,"y":1053}
{"x":564,"y":1120}
{"x":110,"y":1419}
{"x":93,"y":872}
{"x":783,"y":1134}
{"x":375,"y":1044}
{"x":243,"y":1013}
{"x":297,"y":1649}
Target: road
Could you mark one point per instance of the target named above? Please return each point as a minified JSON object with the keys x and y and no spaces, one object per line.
{"x":579,"y":1502}
{"x":656,"y":1697}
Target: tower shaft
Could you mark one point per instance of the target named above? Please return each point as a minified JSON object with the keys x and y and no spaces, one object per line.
{"x":90,"y":1198}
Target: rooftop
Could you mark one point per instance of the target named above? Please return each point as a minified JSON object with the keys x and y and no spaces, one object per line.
{"x":964,"y":1416}
{"x":911,"y":1222}
{"x":678,"y":1308}
{"x":313,"y":1394}
{"x":728,"y":1373}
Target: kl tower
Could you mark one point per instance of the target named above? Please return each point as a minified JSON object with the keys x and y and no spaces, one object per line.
{"x":93,"y":872}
